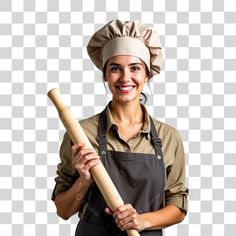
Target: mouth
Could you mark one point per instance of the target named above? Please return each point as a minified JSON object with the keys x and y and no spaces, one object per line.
{"x":125,"y":88}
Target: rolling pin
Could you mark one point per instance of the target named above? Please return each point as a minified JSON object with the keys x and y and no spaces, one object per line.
{"x":99,"y":173}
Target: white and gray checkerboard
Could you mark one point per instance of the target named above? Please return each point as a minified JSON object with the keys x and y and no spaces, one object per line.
{"x":43,"y":45}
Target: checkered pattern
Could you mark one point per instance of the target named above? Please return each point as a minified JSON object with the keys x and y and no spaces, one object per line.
{"x":43,"y":45}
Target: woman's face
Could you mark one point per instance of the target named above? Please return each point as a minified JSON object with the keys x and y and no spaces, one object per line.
{"x":126,"y":77}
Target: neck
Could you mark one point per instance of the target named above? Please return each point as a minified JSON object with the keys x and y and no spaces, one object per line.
{"x":127,"y":113}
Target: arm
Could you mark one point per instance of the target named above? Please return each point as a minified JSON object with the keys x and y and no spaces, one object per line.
{"x":69,"y":202}
{"x":126,"y":217}
{"x":163,"y":218}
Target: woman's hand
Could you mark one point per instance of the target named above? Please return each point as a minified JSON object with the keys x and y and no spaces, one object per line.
{"x":126,"y":217}
{"x":84,"y":159}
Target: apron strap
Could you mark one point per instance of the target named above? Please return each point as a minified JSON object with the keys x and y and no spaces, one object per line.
{"x":102,"y":129}
{"x":156,"y":141}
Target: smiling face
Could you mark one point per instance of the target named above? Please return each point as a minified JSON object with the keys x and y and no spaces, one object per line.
{"x":126,"y":77}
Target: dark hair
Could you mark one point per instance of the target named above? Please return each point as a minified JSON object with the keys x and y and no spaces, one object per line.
{"x":104,"y":70}
{"x":143,"y":98}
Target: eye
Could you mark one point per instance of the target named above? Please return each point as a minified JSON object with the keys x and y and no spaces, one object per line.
{"x":135,"y":68}
{"x":115,"y":69}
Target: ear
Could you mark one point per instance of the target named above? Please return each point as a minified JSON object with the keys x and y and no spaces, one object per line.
{"x":146,"y":79}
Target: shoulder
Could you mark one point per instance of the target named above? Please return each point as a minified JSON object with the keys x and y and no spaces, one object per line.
{"x":90,"y":125}
{"x":169,"y":135}
{"x":172,"y":145}
{"x":93,"y":120}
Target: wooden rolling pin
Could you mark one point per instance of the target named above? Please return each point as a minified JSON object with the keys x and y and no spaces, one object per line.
{"x":99,"y":173}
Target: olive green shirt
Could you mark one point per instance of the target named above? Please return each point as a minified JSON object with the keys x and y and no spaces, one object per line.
{"x":172,"y":148}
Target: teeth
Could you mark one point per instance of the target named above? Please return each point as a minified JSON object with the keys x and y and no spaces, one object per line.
{"x":125,"y":88}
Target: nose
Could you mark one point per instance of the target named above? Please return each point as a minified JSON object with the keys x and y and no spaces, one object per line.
{"x":125,"y":76}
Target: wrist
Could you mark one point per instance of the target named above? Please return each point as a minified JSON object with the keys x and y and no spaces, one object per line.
{"x":84,"y":183}
{"x":146,"y":223}
{"x":81,"y":187}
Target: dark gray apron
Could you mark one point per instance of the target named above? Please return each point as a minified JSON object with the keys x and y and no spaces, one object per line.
{"x":139,"y":178}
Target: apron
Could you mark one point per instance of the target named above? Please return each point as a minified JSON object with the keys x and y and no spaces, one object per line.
{"x":138,"y":177}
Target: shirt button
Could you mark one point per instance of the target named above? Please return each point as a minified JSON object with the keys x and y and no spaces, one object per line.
{"x":158,"y":157}
{"x":103,"y":152}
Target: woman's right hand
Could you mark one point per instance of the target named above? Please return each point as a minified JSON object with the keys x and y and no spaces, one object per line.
{"x":84,"y":159}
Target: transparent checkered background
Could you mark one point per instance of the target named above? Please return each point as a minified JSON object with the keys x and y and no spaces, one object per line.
{"x":43,"y":45}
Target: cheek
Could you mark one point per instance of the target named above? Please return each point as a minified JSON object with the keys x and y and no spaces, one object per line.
{"x":111,"y":78}
{"x":141,"y":80}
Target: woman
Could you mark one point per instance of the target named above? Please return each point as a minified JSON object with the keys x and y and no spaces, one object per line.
{"x":144,"y":157}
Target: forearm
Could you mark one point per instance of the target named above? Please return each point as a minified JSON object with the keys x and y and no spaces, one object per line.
{"x":162,"y":218}
{"x":69,"y":202}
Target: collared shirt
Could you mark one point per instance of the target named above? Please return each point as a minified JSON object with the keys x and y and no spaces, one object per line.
{"x":172,"y":148}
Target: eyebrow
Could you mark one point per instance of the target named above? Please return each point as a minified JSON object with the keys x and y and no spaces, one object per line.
{"x":131,"y":64}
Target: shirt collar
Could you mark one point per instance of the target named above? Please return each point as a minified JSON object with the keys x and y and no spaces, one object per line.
{"x":146,"y":127}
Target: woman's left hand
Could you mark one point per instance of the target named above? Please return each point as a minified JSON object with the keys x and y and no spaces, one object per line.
{"x":126,"y":217}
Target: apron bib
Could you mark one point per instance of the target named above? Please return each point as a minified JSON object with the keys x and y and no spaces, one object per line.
{"x":138,"y":177}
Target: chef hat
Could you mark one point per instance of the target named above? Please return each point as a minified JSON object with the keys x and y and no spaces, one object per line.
{"x":126,"y":38}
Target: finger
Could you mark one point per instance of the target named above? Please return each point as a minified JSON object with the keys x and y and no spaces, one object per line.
{"x":87,"y":157}
{"x":83,"y":155}
{"x":86,"y":163}
{"x":91,"y":164}
{"x":123,"y":215}
{"x":108,"y":211}
{"x":127,"y":222}
{"x":76,"y":147}
{"x":124,"y":223}
{"x":121,"y":209}
{"x":86,"y":151}
{"x":127,"y":226}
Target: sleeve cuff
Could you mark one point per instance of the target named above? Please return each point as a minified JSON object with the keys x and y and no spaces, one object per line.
{"x":179,"y":201}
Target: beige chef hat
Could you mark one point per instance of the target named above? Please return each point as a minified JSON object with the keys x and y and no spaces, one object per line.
{"x":126,"y":38}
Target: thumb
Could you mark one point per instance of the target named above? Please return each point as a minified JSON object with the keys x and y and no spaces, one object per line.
{"x":108,"y":211}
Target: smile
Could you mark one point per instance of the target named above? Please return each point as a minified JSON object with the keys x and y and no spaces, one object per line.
{"x":126,"y":88}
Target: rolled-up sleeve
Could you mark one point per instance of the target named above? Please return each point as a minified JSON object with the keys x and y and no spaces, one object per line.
{"x":176,"y":192}
{"x":66,"y":173}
